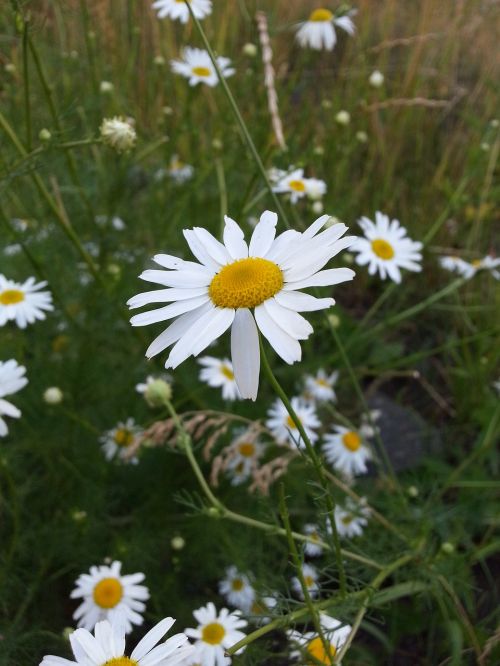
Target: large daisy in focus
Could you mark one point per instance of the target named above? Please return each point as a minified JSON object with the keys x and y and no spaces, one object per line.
{"x":23,"y":303}
{"x":219,"y":373}
{"x":177,"y":10}
{"x":386,"y":248}
{"x":214,"y":634}
{"x":107,"y":595}
{"x":107,"y":646}
{"x":310,"y":645}
{"x":195,"y":65}
{"x":12,"y":380}
{"x":245,"y":287}
{"x":318,"y":32}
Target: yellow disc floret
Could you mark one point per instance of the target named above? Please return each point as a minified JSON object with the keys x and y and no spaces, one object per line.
{"x":11,"y":296}
{"x":108,"y":592}
{"x":201,"y":71}
{"x":317,"y":650}
{"x":351,"y":440}
{"x":227,"y":372}
{"x":245,"y":283}
{"x":123,"y":437}
{"x":320,"y":15}
{"x":297,"y":185}
{"x":382,"y":249}
{"x":246,"y":449}
{"x":237,"y":584}
{"x":121,"y":661}
{"x":213,"y":633}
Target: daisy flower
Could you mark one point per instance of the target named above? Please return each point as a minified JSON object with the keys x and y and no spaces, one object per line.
{"x":318,"y":32}
{"x":283,"y":428}
{"x":214,"y":634}
{"x":297,"y":186}
{"x":310,"y":576}
{"x":23,"y":303}
{"x":107,"y":646}
{"x":107,"y":595}
{"x":310,"y":644}
{"x":231,"y":280}
{"x":117,"y":441}
{"x":321,"y":386}
{"x":178,"y":171}
{"x":311,"y":548}
{"x":219,"y":373}
{"x":386,"y":248}
{"x":195,"y":65}
{"x":345,"y":450}
{"x":237,"y":590}
{"x":469,"y":269}
{"x":245,"y":454}
{"x":12,"y":380}
{"x":177,"y":10}
{"x":351,"y":519}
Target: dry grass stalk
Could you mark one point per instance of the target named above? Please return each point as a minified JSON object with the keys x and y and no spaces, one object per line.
{"x":416,"y":101}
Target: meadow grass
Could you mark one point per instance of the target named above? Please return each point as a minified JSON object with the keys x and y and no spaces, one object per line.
{"x":420,"y":582}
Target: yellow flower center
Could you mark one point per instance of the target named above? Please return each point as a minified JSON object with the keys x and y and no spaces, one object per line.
{"x":297,"y":185}
{"x":213,"y":633}
{"x":382,"y":249}
{"x":237,"y":584}
{"x":11,"y":296}
{"x":314,"y":536}
{"x":245,"y":283}
{"x":347,"y":520}
{"x":201,"y":71}
{"x":476,"y":263}
{"x":246,"y":449}
{"x":121,"y":661}
{"x":290,"y":423}
{"x":322,"y":382}
{"x":320,"y":15}
{"x":227,"y":372}
{"x":123,"y":437}
{"x":351,"y":440}
{"x":317,"y":650}
{"x":108,"y":592}
{"x":309,"y":581}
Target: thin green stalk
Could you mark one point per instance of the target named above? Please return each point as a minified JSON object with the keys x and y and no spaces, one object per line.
{"x":314,"y":458}
{"x":221,"y":182}
{"x":27,"y":106}
{"x":239,"y":117}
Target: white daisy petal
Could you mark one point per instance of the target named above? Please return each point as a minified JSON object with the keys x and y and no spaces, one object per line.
{"x":325,"y":278}
{"x":234,"y":239}
{"x":283,"y":344}
{"x":296,"y":300}
{"x":245,"y":353}
{"x":291,"y":322}
{"x":263,"y":234}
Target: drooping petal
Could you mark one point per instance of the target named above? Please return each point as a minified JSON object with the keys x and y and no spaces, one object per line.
{"x":168,"y":312}
{"x":176,"y":330}
{"x":284,"y":345}
{"x":152,"y":638}
{"x":245,"y":353}
{"x":324,"y":278}
{"x":164,"y":296}
{"x":290,"y":321}
{"x":199,"y":277}
{"x":296,"y":300}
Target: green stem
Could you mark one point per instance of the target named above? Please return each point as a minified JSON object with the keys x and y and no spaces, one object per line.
{"x":27,"y":106}
{"x":221,"y":182}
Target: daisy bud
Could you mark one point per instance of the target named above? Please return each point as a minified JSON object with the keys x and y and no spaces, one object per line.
{"x":113,"y":270}
{"x":332,"y":220}
{"x":53,"y":395}
{"x":44,"y":135}
{"x":10,"y":68}
{"x":106,"y":87}
{"x":250,"y":50}
{"x":319,"y":150}
{"x":177,"y":543}
{"x":343,"y":117}
{"x":167,"y":110}
{"x":118,"y":133}
{"x":334,"y":321}
{"x":317,"y":207}
{"x":361,"y":136}
{"x":79,"y":516}
{"x":66,"y":632}
{"x":326,"y":104}
{"x":376,"y":79}
{"x":447,"y":548}
{"x":485,"y":146}
{"x":159,"y":61}
{"x":157,"y":392}
{"x":412,"y":491}
{"x":217,"y":144}
{"x":494,"y":123}
{"x":348,"y":258}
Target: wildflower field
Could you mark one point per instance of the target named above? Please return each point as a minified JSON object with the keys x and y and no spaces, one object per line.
{"x":249,"y":333}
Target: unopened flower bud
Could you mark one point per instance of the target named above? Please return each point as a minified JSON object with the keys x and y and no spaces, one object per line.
{"x":343,"y":117}
{"x":376,"y":79}
{"x":157,"y":392}
{"x":44,"y":135}
{"x":118,"y":133}
{"x":412,"y":491}
{"x":177,"y":543}
{"x":317,"y":207}
{"x":159,"y":61}
{"x":447,"y":548}
{"x":361,"y":136}
{"x":53,"y":395}
{"x":106,"y":87}
{"x":250,"y":50}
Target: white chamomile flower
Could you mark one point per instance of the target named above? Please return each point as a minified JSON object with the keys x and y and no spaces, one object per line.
{"x":118,"y":133}
{"x":283,"y":428}
{"x":178,"y":171}
{"x":386,"y":248}
{"x":310,"y":576}
{"x":346,"y":451}
{"x":469,"y":269}
{"x":318,"y":32}
{"x":312,"y":548}
{"x":214,"y":634}
{"x":195,"y":65}
{"x":321,"y":386}
{"x":219,"y":373}
{"x":297,"y":186}
{"x":237,"y":590}
{"x":107,"y":646}
{"x":245,"y":288}
{"x":246,"y":451}
{"x":117,"y":441}
{"x":177,"y":10}
{"x":351,"y":519}
{"x":23,"y":302}
{"x":107,"y":595}
{"x":309,"y":644}
{"x":12,"y":380}
{"x":456,"y":265}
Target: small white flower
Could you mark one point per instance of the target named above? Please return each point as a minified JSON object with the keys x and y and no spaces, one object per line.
{"x":250,"y":50}
{"x":23,"y":303}
{"x":469,"y":269}
{"x":12,"y":249}
{"x":376,"y":79}
{"x":117,"y":441}
{"x":284,"y":429}
{"x":106,"y":87}
{"x":351,"y":519}
{"x":343,"y":117}
{"x":107,"y":646}
{"x":118,"y":133}
{"x":156,"y":391}
{"x":214,"y":634}
{"x":178,"y":171}
{"x":177,"y":10}
{"x":53,"y":395}
{"x":317,"y":207}
{"x":362,"y":136}
{"x":115,"y":222}
{"x":321,"y":387}
{"x":12,"y":380}
{"x":296,"y":185}
{"x":195,"y":65}
{"x":310,"y":644}
{"x":345,"y":450}
{"x":312,"y":548}
{"x":386,"y":248}
{"x":310,"y":576}
{"x":107,"y":595}
{"x":237,"y":590}
{"x":219,"y":373}
{"x":318,"y":32}
{"x":245,"y":453}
